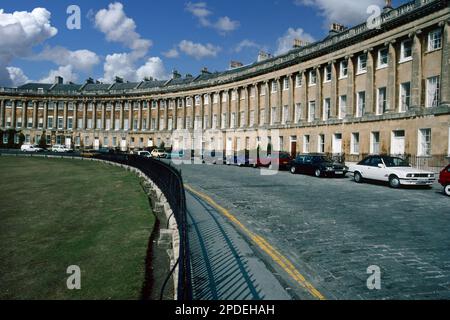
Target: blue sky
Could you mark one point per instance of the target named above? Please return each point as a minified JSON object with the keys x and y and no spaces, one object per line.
{"x":151,"y":38}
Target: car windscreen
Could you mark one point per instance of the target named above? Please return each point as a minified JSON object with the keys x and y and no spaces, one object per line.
{"x":321,"y":159}
{"x":395,"y":162}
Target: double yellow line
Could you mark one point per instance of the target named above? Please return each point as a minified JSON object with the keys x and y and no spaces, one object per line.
{"x":282,"y":261}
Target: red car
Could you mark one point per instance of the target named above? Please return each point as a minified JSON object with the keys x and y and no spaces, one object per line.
{"x":444,"y":179}
{"x":278,"y":160}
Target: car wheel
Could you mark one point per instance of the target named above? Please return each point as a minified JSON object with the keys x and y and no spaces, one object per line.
{"x":358,"y":177}
{"x":447,"y":190}
{"x":318,"y":173}
{"x":293,"y":170}
{"x":394,"y":182}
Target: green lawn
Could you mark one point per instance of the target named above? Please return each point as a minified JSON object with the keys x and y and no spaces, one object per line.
{"x":55,"y":213}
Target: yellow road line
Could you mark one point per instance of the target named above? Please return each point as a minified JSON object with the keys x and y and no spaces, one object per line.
{"x":282,"y":261}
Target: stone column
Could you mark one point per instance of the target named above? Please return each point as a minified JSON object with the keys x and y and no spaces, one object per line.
{"x":35,"y":114}
{"x":45,"y":120}
{"x":416,"y":81}
{"x":246,"y":107}
{"x":445,"y":66}
{"x":13,"y":114}
{"x":238,"y":108}
{"x":166,"y":115}
{"x":256,"y":106}
{"x":65,"y":115}
{"x":103,"y":116}
{"x":392,"y":79}
{"x":370,"y":83}
{"x":192,"y":112}
{"x":149,"y":114}
{"x":279,"y":101}
{"x":305,"y":102}
{"x":112,"y":115}
{"x":210,"y":110}
{"x":334,"y":90}
{"x":350,"y":112}
{"x":84,"y":115}
{"x":228,"y":112}
{"x":157,"y":115}
{"x":2,"y":114}
{"x":183,"y":104}
{"x":55,"y":115}
{"x":319,"y":102}
{"x":291,"y":101}
{"x":130,"y":115}
{"x":267,"y":106}
{"x":121,"y":111}
{"x":24,"y":114}
{"x":75,"y":115}
{"x":219,"y":116}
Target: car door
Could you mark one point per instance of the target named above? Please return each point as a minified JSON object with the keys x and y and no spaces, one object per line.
{"x":308,"y":165}
{"x":373,"y":170}
{"x":364,"y":167}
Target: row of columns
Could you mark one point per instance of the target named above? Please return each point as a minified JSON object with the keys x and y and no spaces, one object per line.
{"x":224,"y":106}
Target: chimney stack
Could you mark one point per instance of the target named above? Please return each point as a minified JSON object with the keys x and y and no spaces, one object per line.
{"x":388,"y":7}
{"x":299,"y":43}
{"x":263,"y":56}
{"x":235,"y":64}
{"x":176,"y":75}
{"x":205,"y":71}
{"x":59,"y":80}
{"x":118,"y":80}
{"x":336,"y":28}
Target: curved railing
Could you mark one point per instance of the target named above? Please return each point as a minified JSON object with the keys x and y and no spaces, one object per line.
{"x":170,"y":182}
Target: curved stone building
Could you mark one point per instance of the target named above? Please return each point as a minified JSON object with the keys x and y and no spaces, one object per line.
{"x":380,"y":87}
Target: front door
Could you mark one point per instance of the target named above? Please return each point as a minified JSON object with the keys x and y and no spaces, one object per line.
{"x":337,"y":144}
{"x":293,"y":147}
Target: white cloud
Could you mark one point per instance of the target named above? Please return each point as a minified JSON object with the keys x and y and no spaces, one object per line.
{"x":201,"y":11}
{"x":17,"y":76}
{"x":83,"y":60}
{"x":172,"y":53}
{"x":286,"y":42}
{"x":246,"y":44}
{"x":123,"y":65}
{"x":225,"y":24}
{"x":346,"y":12}
{"x":198,"y":50}
{"x":20,"y":31}
{"x":117,"y":27}
{"x":154,"y":67}
{"x":66,"y":72}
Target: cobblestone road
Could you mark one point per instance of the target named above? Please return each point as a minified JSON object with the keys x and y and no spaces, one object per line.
{"x":334,"y":229}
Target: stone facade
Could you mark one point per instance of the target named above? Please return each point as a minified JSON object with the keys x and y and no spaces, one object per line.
{"x":361,"y":91}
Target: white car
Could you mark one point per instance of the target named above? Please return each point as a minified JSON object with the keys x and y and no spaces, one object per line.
{"x":394,"y":170}
{"x":30,"y":148}
{"x":60,"y":148}
{"x":144,"y":154}
{"x":159,"y":153}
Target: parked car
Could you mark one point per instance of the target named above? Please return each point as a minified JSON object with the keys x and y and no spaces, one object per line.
{"x":159,"y":153}
{"x":144,"y":154}
{"x":30,"y":148}
{"x":60,"y":148}
{"x":444,"y":180}
{"x":317,"y":165}
{"x":394,"y":170}
{"x":280,"y":160}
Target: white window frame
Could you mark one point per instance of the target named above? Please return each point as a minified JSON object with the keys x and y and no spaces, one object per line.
{"x":424,"y":142}
{"x":373,"y":144}
{"x":343,"y":65}
{"x":306,"y":143}
{"x":311,"y":115}
{"x":360,"y":104}
{"x":404,"y":100}
{"x":326,"y":112}
{"x":362,"y":64}
{"x":321,"y":143}
{"x":355,"y":142}
{"x":381,"y":65}
{"x":433,"y":92}
{"x":404,"y":58}
{"x":342,"y":106}
{"x":286,"y":84}
{"x":298,"y":80}
{"x":381,"y":104}
{"x":312,"y":78}
{"x":435,"y":43}
{"x":328,"y":74}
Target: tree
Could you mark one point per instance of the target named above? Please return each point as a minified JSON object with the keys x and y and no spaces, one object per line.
{"x":43,"y":141}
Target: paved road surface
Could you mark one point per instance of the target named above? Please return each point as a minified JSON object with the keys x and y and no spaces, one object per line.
{"x":333,"y":230}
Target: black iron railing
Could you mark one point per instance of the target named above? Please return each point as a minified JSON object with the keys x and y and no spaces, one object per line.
{"x":170,"y":182}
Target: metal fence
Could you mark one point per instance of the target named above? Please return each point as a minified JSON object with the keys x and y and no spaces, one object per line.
{"x":170,"y":182}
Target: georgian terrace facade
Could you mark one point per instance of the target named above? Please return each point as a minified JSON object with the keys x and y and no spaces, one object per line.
{"x":359,"y":91}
